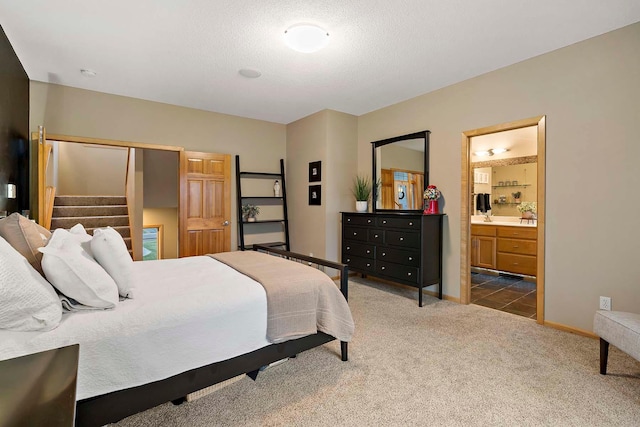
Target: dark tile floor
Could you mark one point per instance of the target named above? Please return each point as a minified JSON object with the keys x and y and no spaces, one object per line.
{"x":505,"y":293}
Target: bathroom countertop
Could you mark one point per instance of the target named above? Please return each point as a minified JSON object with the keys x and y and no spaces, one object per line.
{"x":508,"y":221}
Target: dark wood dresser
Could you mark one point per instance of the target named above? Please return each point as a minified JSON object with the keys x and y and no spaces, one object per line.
{"x":401,"y":247}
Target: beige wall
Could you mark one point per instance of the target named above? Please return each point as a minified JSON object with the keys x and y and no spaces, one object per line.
{"x":69,"y":111}
{"x":168,"y":218}
{"x":395,"y":157}
{"x":306,"y":142}
{"x":589,"y":92}
{"x":85,"y":170}
{"x":161,"y":177}
{"x":328,"y":136}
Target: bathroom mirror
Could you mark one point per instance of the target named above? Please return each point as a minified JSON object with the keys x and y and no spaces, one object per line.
{"x":401,"y":166}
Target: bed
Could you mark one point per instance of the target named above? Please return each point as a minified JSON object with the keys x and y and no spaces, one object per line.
{"x":205,"y":317}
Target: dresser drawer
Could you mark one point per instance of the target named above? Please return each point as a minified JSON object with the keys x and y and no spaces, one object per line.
{"x":397,"y":271}
{"x":399,"y":256}
{"x":517,"y":246}
{"x":358,"y":249}
{"x":376,"y":235}
{"x":359,"y":220}
{"x":402,"y":238}
{"x":355,"y":233}
{"x":521,"y":264}
{"x":410,"y":223}
{"x":483,"y":230}
{"x":518,"y":232}
{"x":358,"y":263}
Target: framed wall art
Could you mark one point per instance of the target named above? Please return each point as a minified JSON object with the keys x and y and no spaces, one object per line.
{"x":315,"y":171}
{"x":315,"y":195}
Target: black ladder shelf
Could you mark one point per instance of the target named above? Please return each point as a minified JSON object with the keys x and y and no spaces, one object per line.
{"x":266,"y":200}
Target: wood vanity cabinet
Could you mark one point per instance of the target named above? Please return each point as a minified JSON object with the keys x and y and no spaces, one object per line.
{"x":504,"y":248}
{"x":483,"y":246}
{"x":517,"y":249}
{"x":401,"y":247}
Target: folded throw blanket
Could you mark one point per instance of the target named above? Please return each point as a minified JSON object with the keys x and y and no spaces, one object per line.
{"x":301,"y":300}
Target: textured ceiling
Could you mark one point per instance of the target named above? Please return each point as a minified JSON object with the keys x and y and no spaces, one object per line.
{"x":381,"y":51}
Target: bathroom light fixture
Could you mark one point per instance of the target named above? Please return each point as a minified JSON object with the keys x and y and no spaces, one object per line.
{"x":490,"y":152}
{"x":88,"y":73}
{"x":306,"y":38}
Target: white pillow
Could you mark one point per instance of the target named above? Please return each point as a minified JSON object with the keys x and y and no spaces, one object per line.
{"x":27,"y":301}
{"x":73,"y":272}
{"x":111,"y":252}
{"x":80,"y":234}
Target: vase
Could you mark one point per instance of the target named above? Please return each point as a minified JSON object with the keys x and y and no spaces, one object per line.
{"x":527,"y":215}
{"x":276,"y":189}
{"x":432,"y":208}
{"x":251,"y":219}
{"x":361,"y":206}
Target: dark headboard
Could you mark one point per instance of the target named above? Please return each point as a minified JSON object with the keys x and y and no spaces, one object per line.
{"x":14,"y":128}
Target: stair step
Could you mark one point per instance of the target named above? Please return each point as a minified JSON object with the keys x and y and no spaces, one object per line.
{"x":71,"y":211}
{"x":89,"y":200}
{"x":125,"y":232}
{"x":90,"y":222}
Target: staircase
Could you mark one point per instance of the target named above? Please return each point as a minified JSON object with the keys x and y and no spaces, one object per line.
{"x":92,"y":212}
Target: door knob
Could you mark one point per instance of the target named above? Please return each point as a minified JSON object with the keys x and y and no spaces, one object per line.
{"x":225,"y":223}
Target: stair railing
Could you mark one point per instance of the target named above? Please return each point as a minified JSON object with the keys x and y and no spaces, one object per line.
{"x":130,"y":197}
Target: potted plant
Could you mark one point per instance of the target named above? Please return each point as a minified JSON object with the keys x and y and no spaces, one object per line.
{"x":249,"y":212}
{"x":516,"y":196}
{"x":362,"y":192}
{"x":528,"y":209}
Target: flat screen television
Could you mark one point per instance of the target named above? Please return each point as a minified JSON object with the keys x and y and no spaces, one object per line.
{"x":39,"y":389}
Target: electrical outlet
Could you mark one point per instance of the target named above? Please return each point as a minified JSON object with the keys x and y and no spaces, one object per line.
{"x":605,"y":303}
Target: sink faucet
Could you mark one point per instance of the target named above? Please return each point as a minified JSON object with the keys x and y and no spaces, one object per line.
{"x":487,"y":217}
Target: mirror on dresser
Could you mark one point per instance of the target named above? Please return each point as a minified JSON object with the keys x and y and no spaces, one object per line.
{"x":401,"y":167}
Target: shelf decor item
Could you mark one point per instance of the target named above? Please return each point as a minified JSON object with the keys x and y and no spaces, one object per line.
{"x":362,"y":192}
{"x":516,"y":196}
{"x":528,"y":209}
{"x":276,"y":189}
{"x":431,"y":194}
{"x":249,"y":212}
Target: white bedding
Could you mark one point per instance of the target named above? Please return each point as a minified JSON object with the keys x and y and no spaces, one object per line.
{"x":187,"y":313}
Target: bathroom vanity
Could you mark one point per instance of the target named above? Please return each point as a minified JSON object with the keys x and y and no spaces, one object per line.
{"x":506,"y":246}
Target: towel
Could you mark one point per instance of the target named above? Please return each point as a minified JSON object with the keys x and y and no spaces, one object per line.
{"x":480,"y":202}
{"x":487,"y":202}
{"x":71,"y":305}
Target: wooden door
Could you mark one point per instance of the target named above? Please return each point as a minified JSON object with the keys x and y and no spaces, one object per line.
{"x":205,"y":203}
{"x":46,"y":191}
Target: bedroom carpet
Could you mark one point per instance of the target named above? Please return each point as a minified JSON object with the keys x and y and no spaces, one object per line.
{"x":444,"y":364}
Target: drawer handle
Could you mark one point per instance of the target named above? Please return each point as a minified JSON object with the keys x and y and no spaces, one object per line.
{"x":410,"y":223}
{"x":515,"y":246}
{"x":376,"y":236}
{"x":368,"y":265}
{"x":348,"y":219}
{"x":515,"y":234}
{"x":355,"y":233}
{"x":368,"y":251}
{"x":410,"y":258}
{"x":408,"y":274}
{"x":401,"y":239}
{"x":384,"y":222}
{"x":348,"y":248}
{"x":515,"y":263}
{"x":348,"y":259}
{"x":382,"y":268}
{"x":384,"y":254}
{"x":368,"y":221}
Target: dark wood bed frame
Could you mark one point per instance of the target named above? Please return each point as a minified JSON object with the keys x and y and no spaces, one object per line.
{"x":112,"y":407}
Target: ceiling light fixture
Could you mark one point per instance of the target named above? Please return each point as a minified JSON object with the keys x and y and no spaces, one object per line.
{"x":249,"y":73}
{"x":306,"y":38}
{"x":88,"y":73}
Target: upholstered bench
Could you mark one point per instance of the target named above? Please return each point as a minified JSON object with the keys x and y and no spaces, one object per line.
{"x":620,"y":329}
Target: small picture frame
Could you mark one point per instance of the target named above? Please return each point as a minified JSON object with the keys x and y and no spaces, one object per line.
{"x":315,"y":171}
{"x":315,"y":195}
{"x":501,"y":184}
{"x":507,"y":183}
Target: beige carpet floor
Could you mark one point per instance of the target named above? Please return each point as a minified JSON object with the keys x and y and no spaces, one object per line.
{"x":444,"y":364}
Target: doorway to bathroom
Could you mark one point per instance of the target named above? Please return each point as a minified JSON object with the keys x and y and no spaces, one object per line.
{"x":502,"y":246}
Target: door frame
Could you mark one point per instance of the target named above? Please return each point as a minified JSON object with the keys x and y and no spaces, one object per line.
{"x":466,"y":203}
